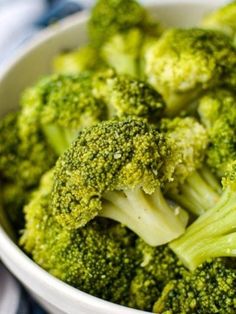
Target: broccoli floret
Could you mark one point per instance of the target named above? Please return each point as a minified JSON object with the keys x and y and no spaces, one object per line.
{"x":157,"y":266}
{"x":185,"y":62}
{"x":209,"y":289}
{"x":114,"y":169}
{"x":213,"y":233}
{"x":61,"y":106}
{"x":110,"y":17}
{"x":222,"y":19}
{"x":125,"y":96}
{"x":217,"y":110}
{"x":194,"y":187}
{"x":22,"y":160}
{"x":83,"y":59}
{"x":98,"y":258}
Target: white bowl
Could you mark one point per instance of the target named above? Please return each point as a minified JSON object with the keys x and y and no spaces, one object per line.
{"x":25,"y":68}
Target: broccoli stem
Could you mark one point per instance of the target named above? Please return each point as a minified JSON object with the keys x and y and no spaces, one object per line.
{"x":149,"y":216}
{"x":211,"y":235}
{"x":198,"y":193}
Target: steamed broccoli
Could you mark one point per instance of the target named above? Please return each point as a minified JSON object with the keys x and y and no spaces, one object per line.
{"x":210,"y":289}
{"x":217,"y":110}
{"x":157,"y":266}
{"x":125,"y":96}
{"x":61,"y":105}
{"x":109,"y":17}
{"x":193,"y":186}
{"x":85,"y":58}
{"x":213,"y":233}
{"x":222,"y":19}
{"x":98,"y":258}
{"x":185,"y":62}
{"x":115,"y":170}
{"x":22,"y":159}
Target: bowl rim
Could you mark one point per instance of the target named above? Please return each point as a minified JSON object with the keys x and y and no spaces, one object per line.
{"x":9,"y":250}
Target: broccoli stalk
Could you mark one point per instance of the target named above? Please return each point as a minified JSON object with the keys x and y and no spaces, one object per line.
{"x":137,"y":210}
{"x":213,"y":233}
{"x":198,"y":193}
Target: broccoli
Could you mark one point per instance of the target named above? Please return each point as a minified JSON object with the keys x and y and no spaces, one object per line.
{"x":83,"y":59}
{"x":185,"y":62}
{"x":125,"y":96}
{"x":157,"y":266}
{"x":213,"y":233}
{"x":60,"y":105}
{"x":222,"y":19}
{"x":22,"y":160}
{"x":110,"y":17}
{"x":98,"y":258}
{"x":194,"y":187}
{"x":115,"y":169}
{"x":217,"y":111}
{"x":210,"y":289}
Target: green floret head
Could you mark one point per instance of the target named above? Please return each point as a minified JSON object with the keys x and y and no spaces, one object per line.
{"x":65,"y":105}
{"x":222,"y":19}
{"x":125,"y":96}
{"x":217,"y":110}
{"x":98,"y":259}
{"x":109,"y":17}
{"x":209,"y":289}
{"x":83,"y":59}
{"x":157,"y":266}
{"x":185,"y":62}
{"x":24,"y":157}
{"x":9,"y":160}
{"x":112,"y":169}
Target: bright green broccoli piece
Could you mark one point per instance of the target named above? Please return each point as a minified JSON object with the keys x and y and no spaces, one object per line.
{"x":209,"y":289}
{"x":222,"y":19}
{"x":22,"y":160}
{"x":157,"y":266}
{"x":83,"y":59}
{"x":185,"y":62}
{"x":98,"y":258}
{"x":62,"y":105}
{"x":110,"y":17}
{"x":194,"y":187}
{"x":126,"y":96}
{"x":217,"y":110}
{"x":213,"y":233}
{"x":115,"y":169}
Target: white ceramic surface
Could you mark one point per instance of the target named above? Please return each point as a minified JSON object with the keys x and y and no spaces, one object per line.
{"x":27,"y":66}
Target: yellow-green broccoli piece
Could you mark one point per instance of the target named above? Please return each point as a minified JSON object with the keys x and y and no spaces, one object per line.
{"x":185,"y":62}
{"x":115,"y":169}
{"x":217,"y":111}
{"x":98,"y":258}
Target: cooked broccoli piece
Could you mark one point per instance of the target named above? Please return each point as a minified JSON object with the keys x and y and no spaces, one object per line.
{"x":185,"y":62}
{"x":157,"y":266}
{"x":193,"y":187}
{"x":126,"y":96}
{"x":61,"y":105}
{"x":22,"y":160}
{"x":209,"y":289}
{"x":83,"y":59}
{"x":115,"y":169}
{"x":213,"y":233}
{"x":222,"y":19}
{"x":98,"y":258}
{"x":110,"y":17}
{"x":217,"y":110}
